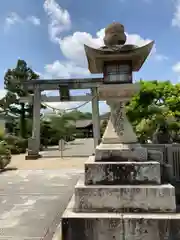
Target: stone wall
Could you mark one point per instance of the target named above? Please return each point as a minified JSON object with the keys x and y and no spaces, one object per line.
{"x":171,"y":156}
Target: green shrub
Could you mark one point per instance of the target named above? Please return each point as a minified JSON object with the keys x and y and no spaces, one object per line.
{"x":11,"y":139}
{"x":5,"y":154}
{"x":2,"y":133}
{"x":16,"y":144}
{"x":22,"y":144}
{"x":14,"y":149}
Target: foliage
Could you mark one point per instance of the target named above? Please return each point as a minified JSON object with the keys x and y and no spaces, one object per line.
{"x":48,"y":134}
{"x":2,"y":132}
{"x":60,"y":126}
{"x":63,"y":126}
{"x":13,"y":83}
{"x":16,"y":144}
{"x":157,"y":103}
{"x":5,"y":155}
{"x":78,"y":115}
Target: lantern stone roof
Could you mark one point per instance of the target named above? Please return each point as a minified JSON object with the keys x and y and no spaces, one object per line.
{"x":98,"y":57}
{"x":115,"y":50}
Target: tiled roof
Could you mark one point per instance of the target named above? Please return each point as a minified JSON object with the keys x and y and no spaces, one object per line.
{"x":83,"y":123}
{"x":105,"y":116}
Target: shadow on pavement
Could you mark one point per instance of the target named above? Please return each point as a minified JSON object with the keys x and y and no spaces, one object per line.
{"x":64,"y":156}
{"x":8,"y":169}
{"x":76,"y":143}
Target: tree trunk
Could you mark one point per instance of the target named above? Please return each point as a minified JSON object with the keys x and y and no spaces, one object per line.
{"x":23,"y":121}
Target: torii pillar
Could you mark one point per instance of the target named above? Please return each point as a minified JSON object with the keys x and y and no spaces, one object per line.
{"x":95,"y":117}
{"x":34,"y":142}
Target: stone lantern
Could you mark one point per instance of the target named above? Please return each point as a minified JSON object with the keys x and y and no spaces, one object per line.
{"x":120,"y":195}
{"x":117,"y":61}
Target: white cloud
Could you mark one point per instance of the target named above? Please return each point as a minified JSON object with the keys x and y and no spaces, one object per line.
{"x":72,"y":46}
{"x":176,"y":67}
{"x":59,"y":19}
{"x":64,"y":69}
{"x":34,"y":20}
{"x":160,"y":57}
{"x":176,"y":16}
{"x":12,"y":19}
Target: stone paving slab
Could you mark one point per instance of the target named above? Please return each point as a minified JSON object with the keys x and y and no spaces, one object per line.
{"x":32,"y":202}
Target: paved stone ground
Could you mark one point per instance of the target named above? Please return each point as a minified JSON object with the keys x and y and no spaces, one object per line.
{"x":33,"y":200}
{"x":77,"y":148}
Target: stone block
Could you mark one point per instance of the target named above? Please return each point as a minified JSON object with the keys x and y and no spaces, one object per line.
{"x":114,"y":173}
{"x":120,"y":226}
{"x":155,"y":155}
{"x":124,"y":198}
{"x":157,"y":147}
{"x":121,"y":152}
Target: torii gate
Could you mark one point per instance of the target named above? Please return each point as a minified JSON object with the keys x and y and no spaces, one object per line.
{"x":64,"y":86}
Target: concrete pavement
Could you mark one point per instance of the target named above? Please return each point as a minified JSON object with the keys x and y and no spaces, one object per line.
{"x":32,"y":202}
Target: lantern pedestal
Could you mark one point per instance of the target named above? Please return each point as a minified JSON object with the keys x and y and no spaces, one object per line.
{"x":119,"y":142}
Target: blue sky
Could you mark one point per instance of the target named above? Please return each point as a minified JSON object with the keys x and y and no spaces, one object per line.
{"x":50,"y":35}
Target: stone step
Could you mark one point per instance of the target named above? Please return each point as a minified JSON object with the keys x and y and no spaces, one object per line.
{"x":119,"y":226}
{"x":113,"y":173}
{"x":124,"y":198}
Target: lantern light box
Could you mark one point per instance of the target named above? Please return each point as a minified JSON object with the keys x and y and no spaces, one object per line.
{"x":117,"y":72}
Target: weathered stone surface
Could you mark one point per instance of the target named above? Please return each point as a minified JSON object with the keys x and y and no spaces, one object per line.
{"x":124,"y":198}
{"x":110,"y":229}
{"x":112,"y":226}
{"x":155,"y":155}
{"x":157,"y":147}
{"x":120,"y":152}
{"x":118,"y":130}
{"x":119,"y":92}
{"x":109,"y":173}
